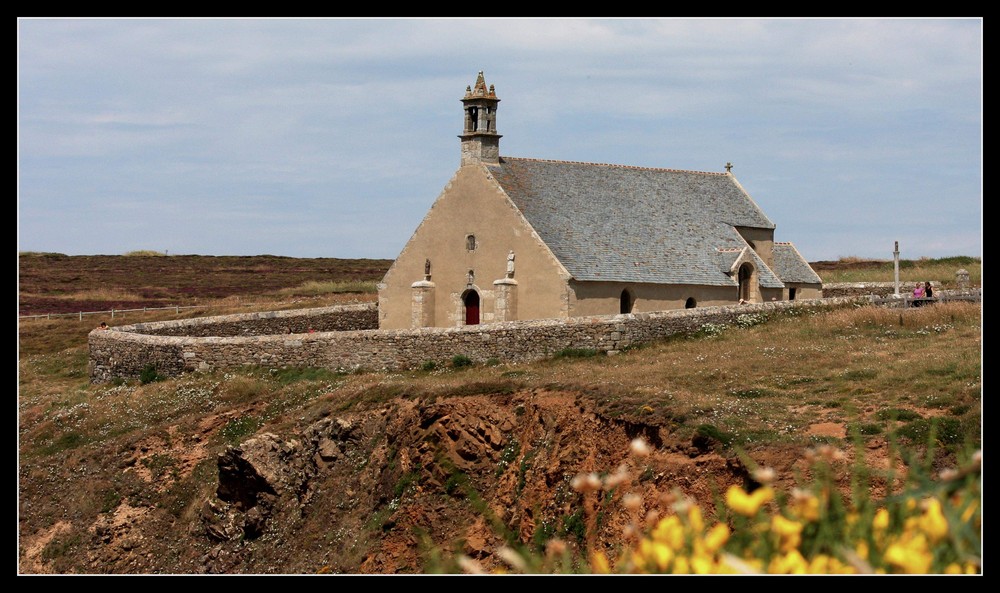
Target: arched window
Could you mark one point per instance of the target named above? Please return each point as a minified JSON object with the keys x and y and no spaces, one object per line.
{"x":627,"y":302}
{"x":471,"y":301}
{"x":470,"y":242}
{"x":746,"y":279}
{"x":690,"y":303}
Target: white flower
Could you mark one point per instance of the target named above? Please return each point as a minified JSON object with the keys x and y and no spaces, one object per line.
{"x":639,"y":448}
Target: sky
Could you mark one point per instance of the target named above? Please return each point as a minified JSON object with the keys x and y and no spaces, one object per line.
{"x":333,"y":137}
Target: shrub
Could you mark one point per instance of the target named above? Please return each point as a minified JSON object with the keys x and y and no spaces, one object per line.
{"x":576,"y":353}
{"x":144,"y":253}
{"x":897,"y":414}
{"x":947,"y":430}
{"x":460,"y":360}
{"x":149,"y":374}
{"x":429,"y":366}
{"x":713,"y":432}
{"x":932,"y":525}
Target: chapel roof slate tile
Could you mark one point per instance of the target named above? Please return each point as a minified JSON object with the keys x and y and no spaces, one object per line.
{"x":790,"y":266}
{"x":634,"y":224}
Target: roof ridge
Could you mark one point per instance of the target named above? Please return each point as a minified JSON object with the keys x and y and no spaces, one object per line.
{"x":615,"y":165}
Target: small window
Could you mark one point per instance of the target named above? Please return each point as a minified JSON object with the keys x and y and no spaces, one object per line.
{"x":690,"y":303}
{"x":470,"y":242}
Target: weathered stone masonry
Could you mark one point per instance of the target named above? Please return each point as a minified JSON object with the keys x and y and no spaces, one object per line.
{"x":344,"y":339}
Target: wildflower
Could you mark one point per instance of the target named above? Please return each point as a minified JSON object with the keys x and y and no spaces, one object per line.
{"x":911,"y":556}
{"x":632,"y":502}
{"x":716,"y":537}
{"x":789,"y":532}
{"x":669,"y":531}
{"x":681,"y":565}
{"x":967,"y":515}
{"x":694,"y":518}
{"x":599,"y":563}
{"x":668,"y":498}
{"x":932,"y":522}
{"x":791,"y":563}
{"x":555,"y":547}
{"x":511,"y":557}
{"x":804,"y":505}
{"x":701,"y":564}
{"x":621,"y":476}
{"x":747,"y":504}
{"x":469,"y":565}
{"x":881,"y":520}
{"x":831,"y":453}
{"x":764,"y":475}
{"x":823,"y":564}
{"x":639,"y":448}
{"x":586,"y":482}
{"x":662,"y":555}
{"x":861,"y":549}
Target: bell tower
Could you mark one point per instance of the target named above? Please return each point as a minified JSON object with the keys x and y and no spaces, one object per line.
{"x":480,"y":140}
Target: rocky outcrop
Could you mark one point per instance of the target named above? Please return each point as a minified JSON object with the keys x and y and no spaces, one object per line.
{"x":463,"y":474}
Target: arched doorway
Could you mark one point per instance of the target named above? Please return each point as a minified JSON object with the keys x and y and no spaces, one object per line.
{"x":626,"y":302}
{"x":690,"y":303}
{"x":471,"y":301}
{"x":746,"y":281}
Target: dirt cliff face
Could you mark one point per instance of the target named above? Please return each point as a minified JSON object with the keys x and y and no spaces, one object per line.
{"x":401,"y":488}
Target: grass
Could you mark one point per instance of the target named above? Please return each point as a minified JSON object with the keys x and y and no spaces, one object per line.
{"x":317,"y":288}
{"x":939,"y":270}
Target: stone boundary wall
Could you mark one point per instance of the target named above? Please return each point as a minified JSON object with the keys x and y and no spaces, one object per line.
{"x":295,"y":321}
{"x":880,"y":289}
{"x":125,"y":350}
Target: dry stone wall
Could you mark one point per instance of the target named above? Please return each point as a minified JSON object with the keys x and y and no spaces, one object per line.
{"x":879,"y":289}
{"x":124,"y":351}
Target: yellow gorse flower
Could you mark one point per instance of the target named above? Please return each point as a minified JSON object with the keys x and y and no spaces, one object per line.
{"x":716,"y":538}
{"x":789,"y":563}
{"x":747,"y":504}
{"x":881,"y":520}
{"x":789,"y":532}
{"x":599,"y":563}
{"x":670,"y":531}
{"x":804,"y":505}
{"x":910,"y":554}
{"x":933,"y":522}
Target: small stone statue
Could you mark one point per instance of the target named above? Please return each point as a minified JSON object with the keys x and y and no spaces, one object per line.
{"x":427,"y":269}
{"x":472,"y":277}
{"x":510,"y":264}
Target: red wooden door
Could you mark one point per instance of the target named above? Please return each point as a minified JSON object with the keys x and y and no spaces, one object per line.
{"x":472,"y":308}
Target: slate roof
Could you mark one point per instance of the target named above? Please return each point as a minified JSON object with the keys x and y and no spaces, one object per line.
{"x":791,"y":266}
{"x":635,"y":224}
